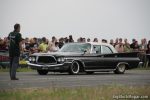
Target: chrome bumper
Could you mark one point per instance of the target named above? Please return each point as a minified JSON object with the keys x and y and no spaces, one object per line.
{"x":37,"y":65}
{"x":56,"y":67}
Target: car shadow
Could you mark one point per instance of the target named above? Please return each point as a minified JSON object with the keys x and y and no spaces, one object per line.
{"x":83,"y":74}
{"x":100,"y":73}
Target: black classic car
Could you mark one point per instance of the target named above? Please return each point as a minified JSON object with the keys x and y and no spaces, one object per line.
{"x":84,"y":57}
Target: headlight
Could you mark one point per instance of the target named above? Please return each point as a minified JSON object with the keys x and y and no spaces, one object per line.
{"x":62,"y":59}
{"x":32,"y":59}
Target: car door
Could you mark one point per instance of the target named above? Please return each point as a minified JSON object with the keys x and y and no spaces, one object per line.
{"x":109,"y":62}
{"x":94,"y":60}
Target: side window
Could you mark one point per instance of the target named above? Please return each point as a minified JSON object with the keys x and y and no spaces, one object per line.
{"x":96,"y":49}
{"x":106,"y":50}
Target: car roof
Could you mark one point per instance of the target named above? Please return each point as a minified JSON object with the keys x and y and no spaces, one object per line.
{"x":105,"y":44}
{"x":92,"y":43}
{"x":99,"y":43}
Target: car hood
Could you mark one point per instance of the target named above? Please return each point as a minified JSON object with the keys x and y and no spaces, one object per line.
{"x":58,"y":54}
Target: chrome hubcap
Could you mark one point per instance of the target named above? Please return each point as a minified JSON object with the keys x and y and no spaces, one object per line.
{"x":122,"y":68}
{"x":75,"y":67}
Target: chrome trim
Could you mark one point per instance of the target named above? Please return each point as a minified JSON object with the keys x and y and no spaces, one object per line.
{"x":98,"y":70}
{"x":38,"y":65}
{"x":31,"y":64}
{"x":67,"y":62}
{"x":37,"y":57}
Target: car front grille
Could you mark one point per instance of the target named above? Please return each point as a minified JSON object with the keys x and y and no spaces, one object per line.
{"x":46,"y":60}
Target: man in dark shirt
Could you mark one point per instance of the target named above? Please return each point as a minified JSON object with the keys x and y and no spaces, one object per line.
{"x":14,"y":50}
{"x":132,"y":46}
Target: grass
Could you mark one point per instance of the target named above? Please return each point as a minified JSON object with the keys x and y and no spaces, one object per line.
{"x":18,"y":70}
{"x":107,"y":92}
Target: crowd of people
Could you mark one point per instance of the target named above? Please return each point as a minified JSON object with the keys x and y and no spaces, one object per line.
{"x":35,"y":45}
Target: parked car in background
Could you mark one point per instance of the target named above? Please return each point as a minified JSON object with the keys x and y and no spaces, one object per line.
{"x":84,"y":57}
{"x":4,"y":59}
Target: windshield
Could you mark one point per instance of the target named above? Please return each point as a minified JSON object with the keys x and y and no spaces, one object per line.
{"x":76,"y":47}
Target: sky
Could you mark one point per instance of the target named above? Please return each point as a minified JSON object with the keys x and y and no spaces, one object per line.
{"x":108,"y":19}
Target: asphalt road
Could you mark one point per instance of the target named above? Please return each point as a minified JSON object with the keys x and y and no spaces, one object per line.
{"x":33,"y":80}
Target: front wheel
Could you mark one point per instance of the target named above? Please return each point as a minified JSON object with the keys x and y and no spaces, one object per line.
{"x":42,"y":72}
{"x":120,"y":69}
{"x":74,"y":68}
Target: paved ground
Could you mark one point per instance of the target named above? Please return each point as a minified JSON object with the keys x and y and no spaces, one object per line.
{"x":32,"y":79}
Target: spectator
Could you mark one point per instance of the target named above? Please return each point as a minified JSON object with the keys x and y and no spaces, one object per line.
{"x":23,"y":46}
{"x":43,"y":47}
{"x":88,"y":40}
{"x":104,"y":41}
{"x":6,"y":43}
{"x":145,"y":40}
{"x":3,"y":45}
{"x":112,"y":42}
{"x":61,"y":42}
{"x":116,"y":42}
{"x":143,"y":49}
{"x":36,"y":41}
{"x":95,"y":40}
{"x":132,"y":46}
{"x":47,"y":41}
{"x":148,"y":47}
{"x":33,"y":46}
{"x":143,"y":46}
{"x":66,"y":40}
{"x":126,"y":46}
{"x":27,"y":44}
{"x":70,"y":38}
{"x":52,"y":44}
{"x":79,"y":39}
{"x":56,"y":48}
{"x":119,"y":47}
{"x":25,"y":52}
{"x":83,"y":40}
{"x":136,"y":46}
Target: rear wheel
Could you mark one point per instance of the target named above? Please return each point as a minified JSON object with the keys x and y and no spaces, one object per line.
{"x":74,"y":68}
{"x":42,"y":72}
{"x":120,"y":69}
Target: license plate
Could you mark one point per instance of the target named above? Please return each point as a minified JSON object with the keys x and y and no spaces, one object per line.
{"x":56,"y":68}
{"x":45,"y":68}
